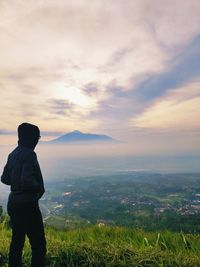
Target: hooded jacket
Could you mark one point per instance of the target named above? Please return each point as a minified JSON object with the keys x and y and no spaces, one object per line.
{"x":22,"y":172}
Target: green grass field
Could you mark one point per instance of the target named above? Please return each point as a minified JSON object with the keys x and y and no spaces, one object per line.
{"x":103,"y":246}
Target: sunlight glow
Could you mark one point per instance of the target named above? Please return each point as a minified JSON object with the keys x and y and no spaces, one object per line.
{"x":75,"y":96}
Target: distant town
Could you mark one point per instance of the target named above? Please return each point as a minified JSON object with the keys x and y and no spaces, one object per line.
{"x":136,"y":199}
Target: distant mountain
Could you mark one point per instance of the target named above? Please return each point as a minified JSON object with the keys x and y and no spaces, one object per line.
{"x":79,"y":137}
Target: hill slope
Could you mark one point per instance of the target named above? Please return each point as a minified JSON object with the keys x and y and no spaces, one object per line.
{"x":102,"y":246}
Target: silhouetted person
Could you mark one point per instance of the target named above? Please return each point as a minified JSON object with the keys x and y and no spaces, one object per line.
{"x":22,"y":172}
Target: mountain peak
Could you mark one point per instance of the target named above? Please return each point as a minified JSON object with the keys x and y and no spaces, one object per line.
{"x":78,"y":137}
{"x":76,"y":132}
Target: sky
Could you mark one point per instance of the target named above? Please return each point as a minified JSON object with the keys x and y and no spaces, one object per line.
{"x":129,"y":69}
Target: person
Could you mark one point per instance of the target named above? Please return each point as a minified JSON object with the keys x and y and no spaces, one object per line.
{"x":22,"y":172}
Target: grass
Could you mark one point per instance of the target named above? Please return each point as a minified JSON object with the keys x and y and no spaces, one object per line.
{"x":107,"y":246}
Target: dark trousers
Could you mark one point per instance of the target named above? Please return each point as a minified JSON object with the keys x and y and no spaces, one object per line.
{"x":26,"y":219}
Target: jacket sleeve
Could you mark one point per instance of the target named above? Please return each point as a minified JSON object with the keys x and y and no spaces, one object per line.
{"x":40,"y":180}
{"x":29,"y":179}
{"x":5,"y":177}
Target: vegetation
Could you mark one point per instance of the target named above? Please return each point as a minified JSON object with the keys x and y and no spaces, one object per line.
{"x":106,"y":246}
{"x":131,"y":219}
{"x":154,"y":202}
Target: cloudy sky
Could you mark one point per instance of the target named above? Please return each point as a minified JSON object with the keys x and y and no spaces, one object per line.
{"x":129,"y":69}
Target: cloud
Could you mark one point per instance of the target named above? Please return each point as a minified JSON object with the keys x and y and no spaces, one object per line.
{"x":182,"y":68}
{"x":173,"y":23}
{"x":6,"y":132}
{"x":90,"y":89}
{"x":51,"y":133}
{"x":70,"y":65}
{"x":61,"y":107}
{"x":177,"y":110}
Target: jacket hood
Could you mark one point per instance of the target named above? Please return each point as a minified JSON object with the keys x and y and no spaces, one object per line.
{"x":28,"y":135}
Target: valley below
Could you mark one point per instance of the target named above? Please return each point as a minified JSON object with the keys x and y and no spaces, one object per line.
{"x":152,"y":201}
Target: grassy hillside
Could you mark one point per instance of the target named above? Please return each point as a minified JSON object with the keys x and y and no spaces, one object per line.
{"x":103,"y":246}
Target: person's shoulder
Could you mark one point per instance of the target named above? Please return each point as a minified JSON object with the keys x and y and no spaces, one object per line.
{"x":27,"y":153}
{"x":31,"y":154}
{"x":13,"y":153}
